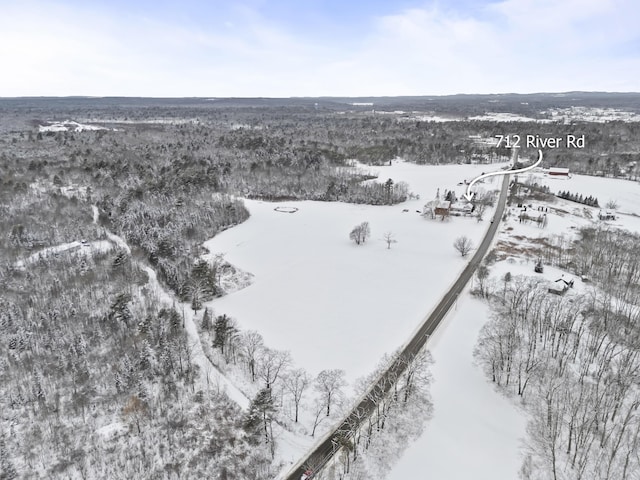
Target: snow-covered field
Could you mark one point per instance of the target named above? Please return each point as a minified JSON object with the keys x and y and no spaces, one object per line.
{"x":625,"y":193}
{"x":566,"y":116}
{"x":506,"y":117}
{"x":68,"y":126}
{"x":331,"y":303}
{"x":475,"y":432}
{"x":334,"y":304}
{"x":422,"y":117}
{"x":556,"y":115}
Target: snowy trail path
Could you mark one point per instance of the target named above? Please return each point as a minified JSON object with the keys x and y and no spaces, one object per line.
{"x":210,"y":377}
{"x":96,"y":213}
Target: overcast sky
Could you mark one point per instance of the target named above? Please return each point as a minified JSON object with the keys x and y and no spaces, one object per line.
{"x":288,"y":48}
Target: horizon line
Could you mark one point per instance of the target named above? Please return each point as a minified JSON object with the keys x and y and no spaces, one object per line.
{"x":258,"y":97}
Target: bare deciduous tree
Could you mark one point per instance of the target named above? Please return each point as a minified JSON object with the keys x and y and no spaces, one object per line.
{"x":296,"y":383}
{"x":271,"y":363}
{"x":318,"y":417}
{"x":389,"y":238}
{"x":329,"y":383}
{"x":251,"y":343}
{"x":479,"y":210}
{"x":463,"y":245}
{"x":366,"y":231}
{"x":360,"y":233}
{"x":136,"y":410}
{"x":483,"y":274}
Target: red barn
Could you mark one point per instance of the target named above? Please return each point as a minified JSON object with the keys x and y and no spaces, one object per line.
{"x":559,"y":172}
{"x":442,"y":208}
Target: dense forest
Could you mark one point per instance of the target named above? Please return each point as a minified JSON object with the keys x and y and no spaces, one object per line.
{"x":98,"y":370}
{"x":574,"y":359}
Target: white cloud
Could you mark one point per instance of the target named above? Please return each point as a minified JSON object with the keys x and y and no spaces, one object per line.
{"x":515,"y":45}
{"x":518,"y":45}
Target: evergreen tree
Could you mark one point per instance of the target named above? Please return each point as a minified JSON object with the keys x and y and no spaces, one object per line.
{"x":388,"y":190}
{"x":142,"y":389}
{"x":206,"y":320}
{"x":223,"y":329}
{"x":196,"y":304}
{"x":172,"y":319}
{"x":120,"y":309}
{"x":120,"y":386}
{"x":203,"y":278}
{"x":146,"y":356}
{"x":258,"y":419}
{"x":83,"y":267}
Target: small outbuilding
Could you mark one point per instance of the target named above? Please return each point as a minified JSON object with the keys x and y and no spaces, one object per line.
{"x":442,"y":208}
{"x":607,"y":215}
{"x":560,"y":286}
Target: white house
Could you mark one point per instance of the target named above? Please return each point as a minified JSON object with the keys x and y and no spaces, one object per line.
{"x":607,"y":215}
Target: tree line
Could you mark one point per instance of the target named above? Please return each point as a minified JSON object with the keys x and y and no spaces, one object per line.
{"x":282,"y":395}
{"x":578,"y":198}
{"x":574,"y":361}
{"x":370,"y":444}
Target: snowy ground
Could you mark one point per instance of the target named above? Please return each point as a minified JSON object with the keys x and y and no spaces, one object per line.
{"x":344,"y":306}
{"x":210,"y":378}
{"x":334,"y":304}
{"x":625,"y":193}
{"x":78,"y":248}
{"x":475,"y":432}
{"x":591,"y":114}
{"x":331,"y":303}
{"x":555,"y":115}
{"x":474,"y":423}
{"x":507,"y":117}
{"x":68,"y":126}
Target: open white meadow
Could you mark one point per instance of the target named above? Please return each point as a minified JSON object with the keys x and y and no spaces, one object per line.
{"x":625,"y":192}
{"x":332,"y":303}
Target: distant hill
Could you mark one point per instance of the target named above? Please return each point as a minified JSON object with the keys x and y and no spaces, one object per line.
{"x":463,"y":104}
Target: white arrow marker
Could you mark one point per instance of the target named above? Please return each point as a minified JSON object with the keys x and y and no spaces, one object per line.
{"x":469,"y":195}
